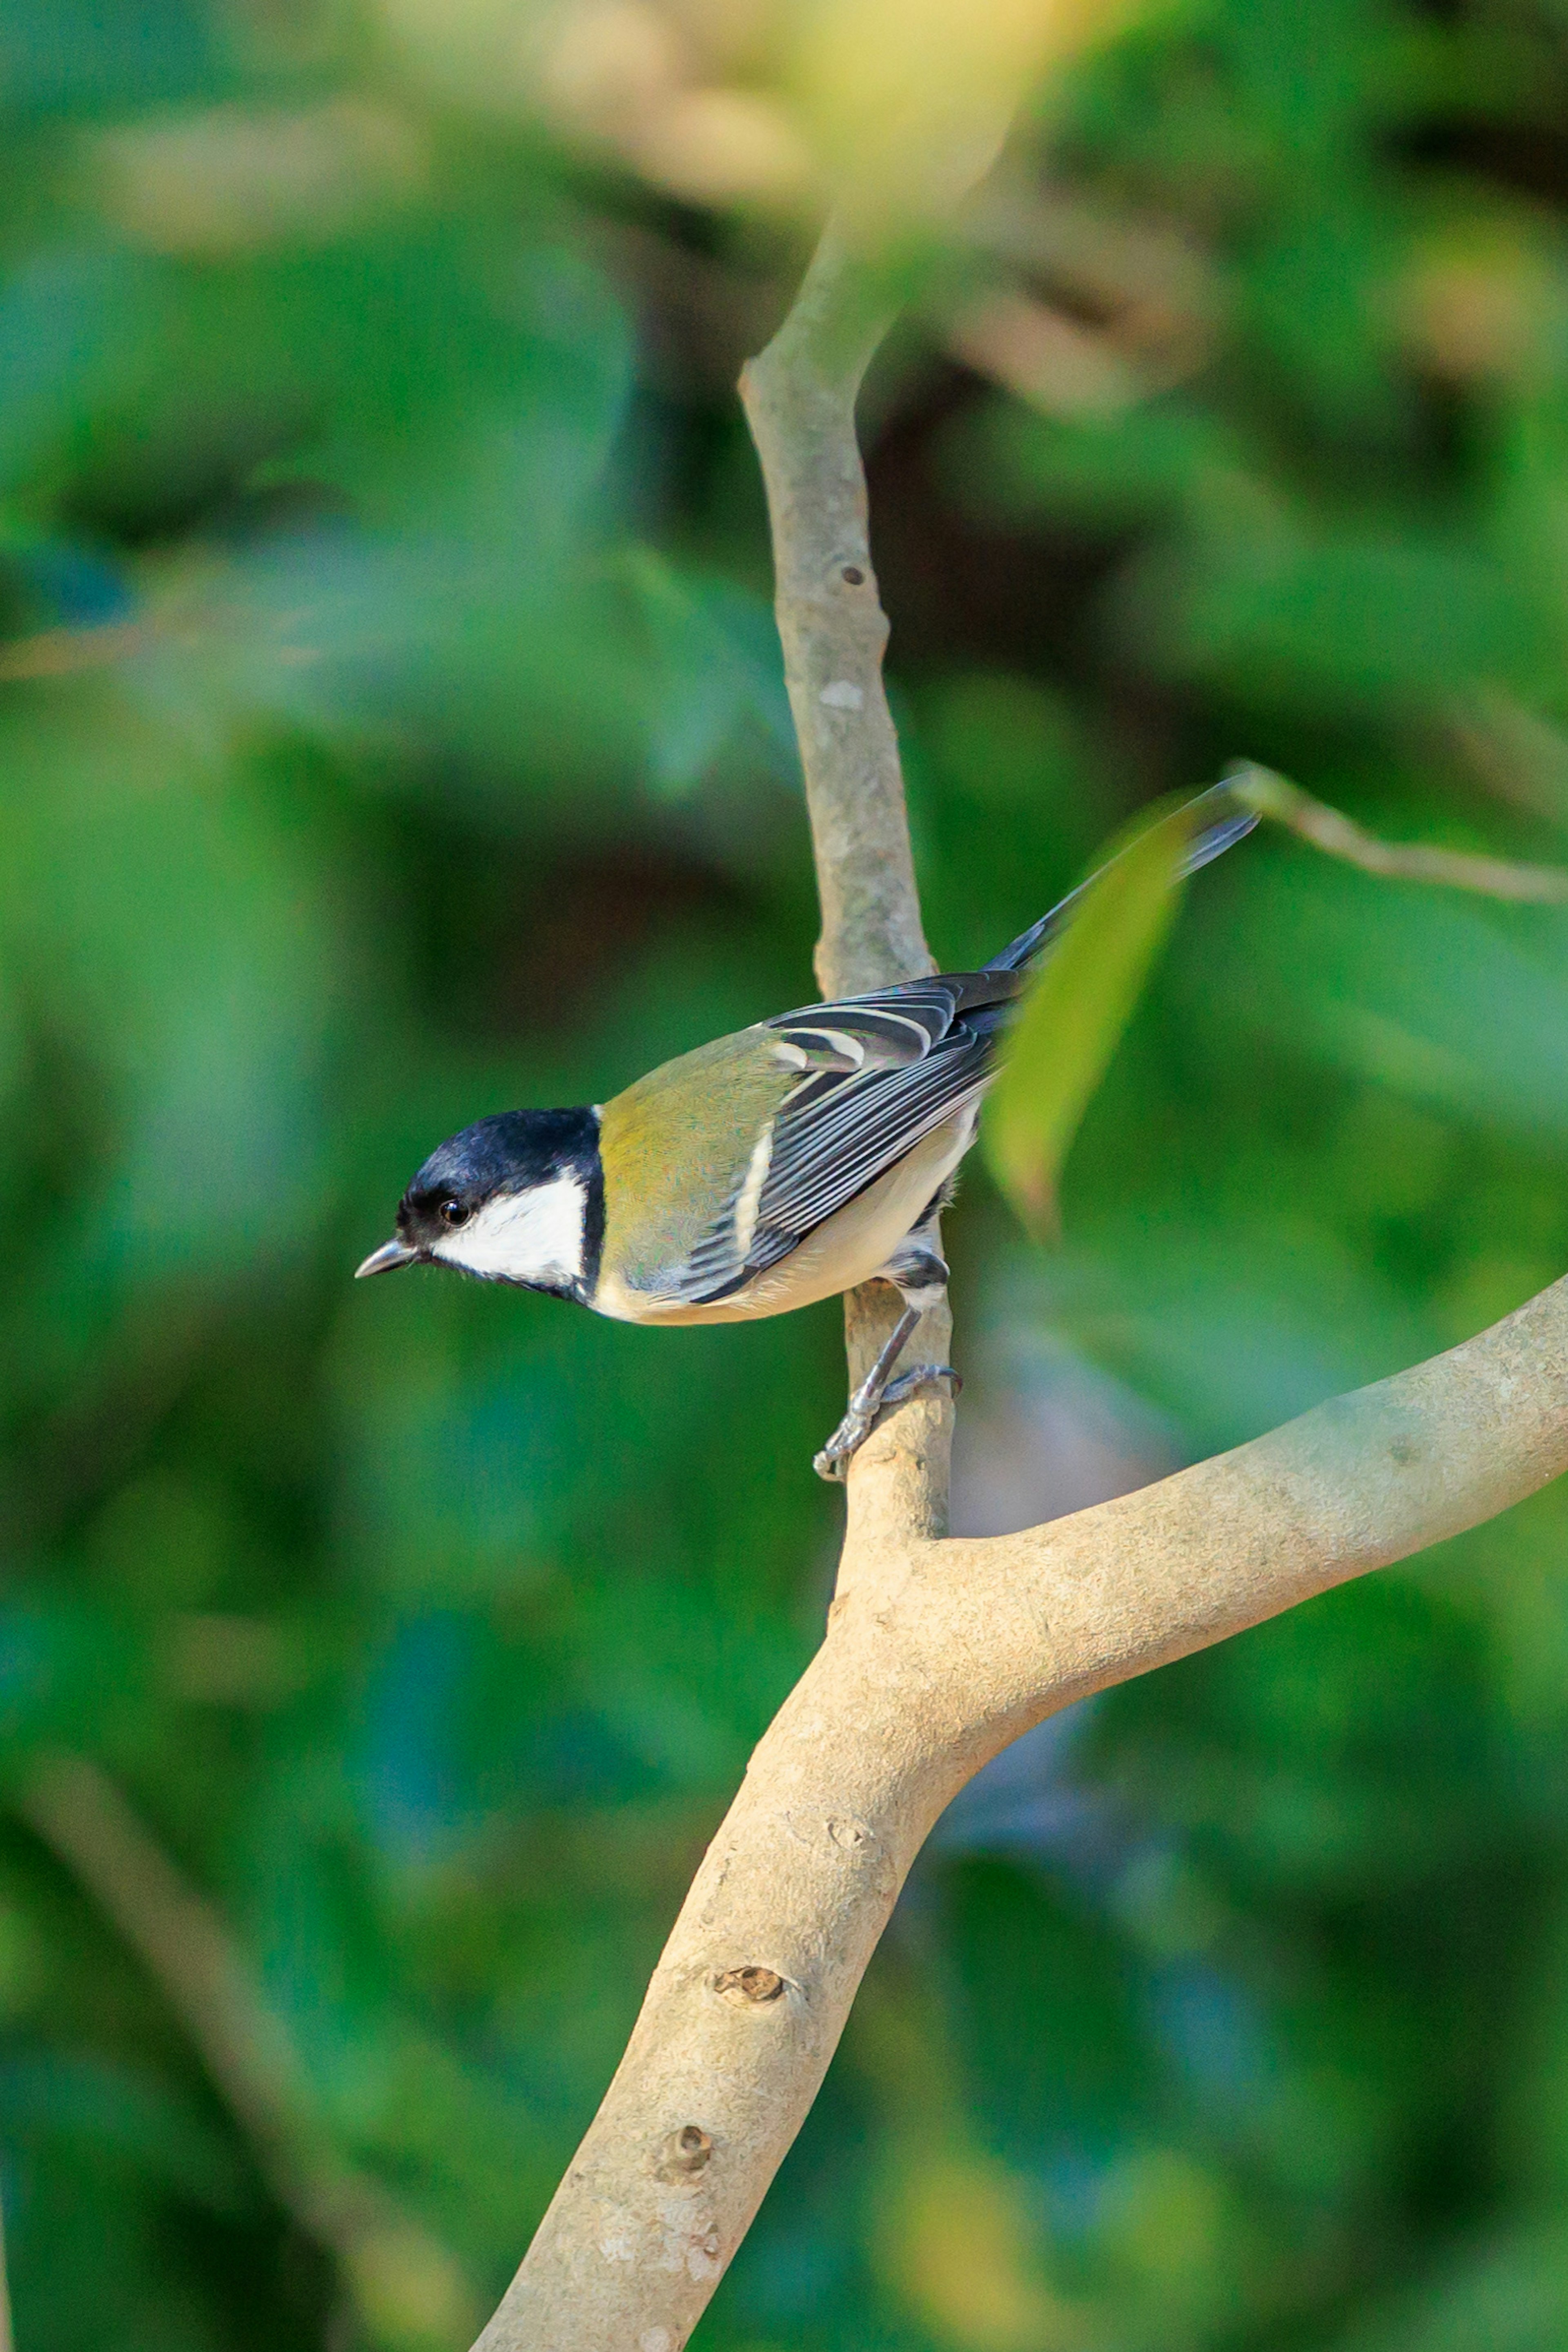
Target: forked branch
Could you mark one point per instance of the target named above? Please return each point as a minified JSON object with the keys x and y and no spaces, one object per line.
{"x":938,"y":1652}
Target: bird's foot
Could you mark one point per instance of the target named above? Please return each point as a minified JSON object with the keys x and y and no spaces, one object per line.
{"x":920,"y":1376}
{"x":866,"y":1404}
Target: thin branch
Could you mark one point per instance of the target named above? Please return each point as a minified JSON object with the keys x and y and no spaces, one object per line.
{"x":939,"y":1652}
{"x":1515,"y":752}
{"x":405,"y":2287}
{"x":57,"y":653}
{"x":7,"y":2335}
{"x":1036,"y":351}
{"x":1494,"y":877}
{"x":799,"y":400}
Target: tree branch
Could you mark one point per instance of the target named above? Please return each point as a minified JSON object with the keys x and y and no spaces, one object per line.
{"x":939,"y":1652}
{"x":1409,"y":861}
{"x":406,"y":2288}
{"x":800,"y":399}
{"x":57,"y":653}
{"x":7,"y":2336}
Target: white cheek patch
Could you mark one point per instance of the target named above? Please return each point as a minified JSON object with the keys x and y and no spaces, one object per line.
{"x":534,"y":1236}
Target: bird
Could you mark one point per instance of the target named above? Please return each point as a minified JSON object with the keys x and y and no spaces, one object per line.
{"x":763,"y":1172}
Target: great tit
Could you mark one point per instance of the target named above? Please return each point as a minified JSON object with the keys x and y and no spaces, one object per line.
{"x":770,"y":1168}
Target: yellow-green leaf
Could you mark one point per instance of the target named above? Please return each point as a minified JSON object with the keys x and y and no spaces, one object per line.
{"x":1076,"y":1009}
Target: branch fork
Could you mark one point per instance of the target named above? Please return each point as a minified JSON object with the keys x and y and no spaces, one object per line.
{"x":938,"y":1652}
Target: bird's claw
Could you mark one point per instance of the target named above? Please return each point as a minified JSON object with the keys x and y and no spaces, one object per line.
{"x":860,"y":1420}
{"x":851,"y":1434}
{"x":922,"y":1376}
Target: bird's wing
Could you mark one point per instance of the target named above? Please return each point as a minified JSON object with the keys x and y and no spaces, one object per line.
{"x":877,"y":1073}
{"x":829,"y":1143}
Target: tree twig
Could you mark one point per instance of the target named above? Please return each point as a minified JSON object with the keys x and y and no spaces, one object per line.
{"x":939,"y":1652}
{"x":7,"y":2336}
{"x":406,"y":2287}
{"x":57,"y":653}
{"x":1494,"y":877}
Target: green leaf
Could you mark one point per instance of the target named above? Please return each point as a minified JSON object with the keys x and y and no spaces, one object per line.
{"x":1075,"y":1012}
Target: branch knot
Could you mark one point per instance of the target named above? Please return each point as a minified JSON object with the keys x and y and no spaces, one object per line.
{"x":750,"y":1987}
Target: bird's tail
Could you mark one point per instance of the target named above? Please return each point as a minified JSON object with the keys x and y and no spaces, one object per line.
{"x":1219,"y":821}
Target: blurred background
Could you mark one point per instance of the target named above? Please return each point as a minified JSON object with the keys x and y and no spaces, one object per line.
{"x":394,"y":731}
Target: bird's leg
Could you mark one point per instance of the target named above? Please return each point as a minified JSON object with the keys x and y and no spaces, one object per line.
{"x":920,"y":1278}
{"x":865,"y":1402}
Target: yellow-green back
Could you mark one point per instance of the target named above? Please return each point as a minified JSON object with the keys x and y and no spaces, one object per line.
{"x":677,"y":1145}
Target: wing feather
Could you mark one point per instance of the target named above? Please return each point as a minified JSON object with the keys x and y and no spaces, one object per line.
{"x":878,"y":1073}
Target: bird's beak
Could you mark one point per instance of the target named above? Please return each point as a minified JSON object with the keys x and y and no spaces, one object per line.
{"x":382,"y":1261}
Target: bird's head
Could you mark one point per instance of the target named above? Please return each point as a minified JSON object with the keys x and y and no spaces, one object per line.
{"x":517,"y":1198}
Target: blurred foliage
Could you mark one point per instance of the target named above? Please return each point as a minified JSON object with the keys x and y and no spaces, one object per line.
{"x":392,"y":732}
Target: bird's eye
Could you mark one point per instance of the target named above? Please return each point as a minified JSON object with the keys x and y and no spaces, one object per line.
{"x":453,"y":1212}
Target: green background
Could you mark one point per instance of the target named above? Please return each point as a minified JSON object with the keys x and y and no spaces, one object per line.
{"x":393,"y":731}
